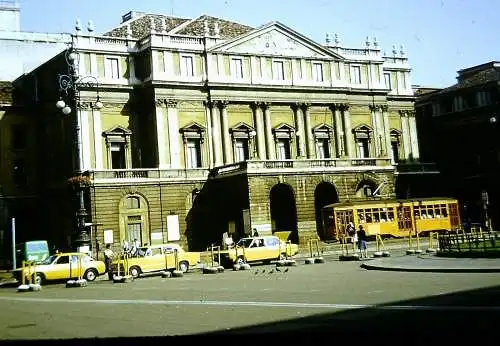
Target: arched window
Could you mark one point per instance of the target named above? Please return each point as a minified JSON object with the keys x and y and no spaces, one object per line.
{"x":133,"y":202}
{"x":395,"y":144}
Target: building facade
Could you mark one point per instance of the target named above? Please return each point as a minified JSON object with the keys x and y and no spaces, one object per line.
{"x":459,"y":126}
{"x":210,"y":126}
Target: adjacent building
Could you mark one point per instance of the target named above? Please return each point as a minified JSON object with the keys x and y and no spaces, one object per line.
{"x":210,"y":126}
{"x":458,"y":126}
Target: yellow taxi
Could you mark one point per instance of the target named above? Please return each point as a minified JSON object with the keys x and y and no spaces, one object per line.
{"x":157,"y":258}
{"x":63,"y":266}
{"x":261,"y":248}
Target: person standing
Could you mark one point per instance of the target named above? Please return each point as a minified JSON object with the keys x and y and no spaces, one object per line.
{"x":363,"y":251}
{"x":108,"y":258}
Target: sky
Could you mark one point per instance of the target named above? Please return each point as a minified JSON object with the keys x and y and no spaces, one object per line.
{"x":439,"y":37}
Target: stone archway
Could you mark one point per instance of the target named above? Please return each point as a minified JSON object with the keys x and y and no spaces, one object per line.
{"x":284,"y":211}
{"x":325,"y":194}
{"x":366,"y":188}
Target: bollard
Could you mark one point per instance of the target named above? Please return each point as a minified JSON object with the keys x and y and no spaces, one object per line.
{"x":418,"y":250}
{"x":34,"y":286}
{"x":126,"y":278}
{"x":79,"y":282}
{"x":346,"y":256}
{"x":380,"y":247}
{"x":23,"y":287}
{"x":177,"y":273}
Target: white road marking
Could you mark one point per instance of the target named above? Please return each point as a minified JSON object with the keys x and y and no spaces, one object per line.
{"x":256,"y":304}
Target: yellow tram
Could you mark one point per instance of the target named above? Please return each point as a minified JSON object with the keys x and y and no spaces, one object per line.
{"x":395,"y":218}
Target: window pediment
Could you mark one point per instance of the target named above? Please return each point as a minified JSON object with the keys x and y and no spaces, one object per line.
{"x":242,"y":130}
{"x":193,"y":130}
{"x":362,"y":131}
{"x":117,"y":133}
{"x":284,"y":131}
{"x":323,"y":131}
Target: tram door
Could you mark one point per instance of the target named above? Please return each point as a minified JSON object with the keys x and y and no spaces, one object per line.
{"x":405,"y":224}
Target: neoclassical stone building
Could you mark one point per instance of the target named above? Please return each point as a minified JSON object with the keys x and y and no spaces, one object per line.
{"x":210,"y":126}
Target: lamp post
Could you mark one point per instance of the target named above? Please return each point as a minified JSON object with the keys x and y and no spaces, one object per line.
{"x":69,"y":89}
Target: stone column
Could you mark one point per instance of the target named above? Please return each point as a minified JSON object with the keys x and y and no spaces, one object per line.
{"x":413,"y":135}
{"x":208,"y":119}
{"x":259,"y":129}
{"x":226,"y":140}
{"x":270,"y":148}
{"x":173,"y":134}
{"x":349,"y":141}
{"x":299,"y":125}
{"x":160,"y":134}
{"x":387,"y":132}
{"x":339,"y":133}
{"x":308,"y":132}
{"x":97,"y":128}
{"x":375,"y":142}
{"x":405,"y":134}
{"x":216,"y":139}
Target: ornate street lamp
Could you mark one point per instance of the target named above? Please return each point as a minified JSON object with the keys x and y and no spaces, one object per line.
{"x":69,"y":88}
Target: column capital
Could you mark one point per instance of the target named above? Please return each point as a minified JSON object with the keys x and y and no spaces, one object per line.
{"x":222,"y":103}
{"x":265,"y":105}
{"x":171,"y":103}
{"x":295,"y":106}
{"x":254,"y":105}
{"x":159,"y":102}
{"x":209,"y":104}
{"x":374,"y":107}
{"x":332,"y":107}
{"x":305,"y":105}
{"x":384,"y":108}
{"x":342,"y":106}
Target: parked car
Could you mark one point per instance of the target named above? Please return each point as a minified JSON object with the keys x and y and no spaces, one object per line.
{"x":261,"y":248}
{"x":157,"y":258}
{"x":62,"y":266}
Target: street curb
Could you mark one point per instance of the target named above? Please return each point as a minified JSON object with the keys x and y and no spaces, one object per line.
{"x":430,"y":270}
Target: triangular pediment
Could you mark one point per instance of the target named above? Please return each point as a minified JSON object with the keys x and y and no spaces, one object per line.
{"x":117,"y":130}
{"x":193,"y":127}
{"x":323,"y":127}
{"x":244,"y":127}
{"x":284,"y":128}
{"x":276,"y":39}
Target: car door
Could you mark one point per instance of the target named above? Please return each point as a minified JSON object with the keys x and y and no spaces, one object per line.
{"x":256,"y":251}
{"x":272,"y":248}
{"x":169,"y":256}
{"x":75,"y":267}
{"x":59,"y":269}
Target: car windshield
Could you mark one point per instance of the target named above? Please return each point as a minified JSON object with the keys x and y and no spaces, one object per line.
{"x":245,"y":242}
{"x":49,"y":260}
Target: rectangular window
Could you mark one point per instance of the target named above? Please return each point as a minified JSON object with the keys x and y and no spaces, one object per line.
{"x":19,"y":136}
{"x":193,"y":159}
{"x":117,"y":156}
{"x":387,"y":79}
{"x":241,"y":150}
{"x":112,"y":68}
{"x":317,"y":72}
{"x":363,"y":147}
{"x":237,"y":68}
{"x":278,"y":70}
{"x":134,"y":231}
{"x":356,"y":74}
{"x":187,"y":69}
{"x":284,"y":149}
{"x":323,"y":149}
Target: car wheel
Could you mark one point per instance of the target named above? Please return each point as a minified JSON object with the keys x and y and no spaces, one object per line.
{"x":135,"y":272}
{"x":240,"y":260}
{"x":38,"y":278}
{"x":184,"y":266}
{"x":90,"y":275}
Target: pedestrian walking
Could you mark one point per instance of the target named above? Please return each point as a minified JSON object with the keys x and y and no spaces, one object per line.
{"x":363,"y":251}
{"x":108,"y":258}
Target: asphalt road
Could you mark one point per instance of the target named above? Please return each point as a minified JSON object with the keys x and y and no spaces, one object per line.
{"x":334,"y":297}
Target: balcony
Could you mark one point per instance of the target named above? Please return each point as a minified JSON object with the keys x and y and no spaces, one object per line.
{"x":142,"y":175}
{"x":416,"y":168}
{"x":307,"y":165}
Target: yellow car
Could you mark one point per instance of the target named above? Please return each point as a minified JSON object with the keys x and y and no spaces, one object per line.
{"x":157,"y":258}
{"x":263,"y":248}
{"x":63,"y":266}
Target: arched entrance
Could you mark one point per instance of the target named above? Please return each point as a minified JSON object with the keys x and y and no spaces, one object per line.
{"x":324,"y":194}
{"x":284,"y":211}
{"x":366,"y":188}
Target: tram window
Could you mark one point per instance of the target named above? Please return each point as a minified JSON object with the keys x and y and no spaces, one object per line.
{"x":444,"y":212}
{"x":417,"y":213}
{"x":383,"y":215}
{"x":390,"y":216}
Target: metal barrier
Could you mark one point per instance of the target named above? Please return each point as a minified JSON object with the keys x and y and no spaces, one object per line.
{"x":468,"y":243}
{"x":347,"y":242}
{"x":380,"y":250}
{"x":314,"y":252}
{"x":126,"y":277}
{"x":28,"y":268}
{"x":433,"y":240}
{"x":411,"y":249}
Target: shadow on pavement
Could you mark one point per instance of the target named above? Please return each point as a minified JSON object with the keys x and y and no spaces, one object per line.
{"x":437,"y":319}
